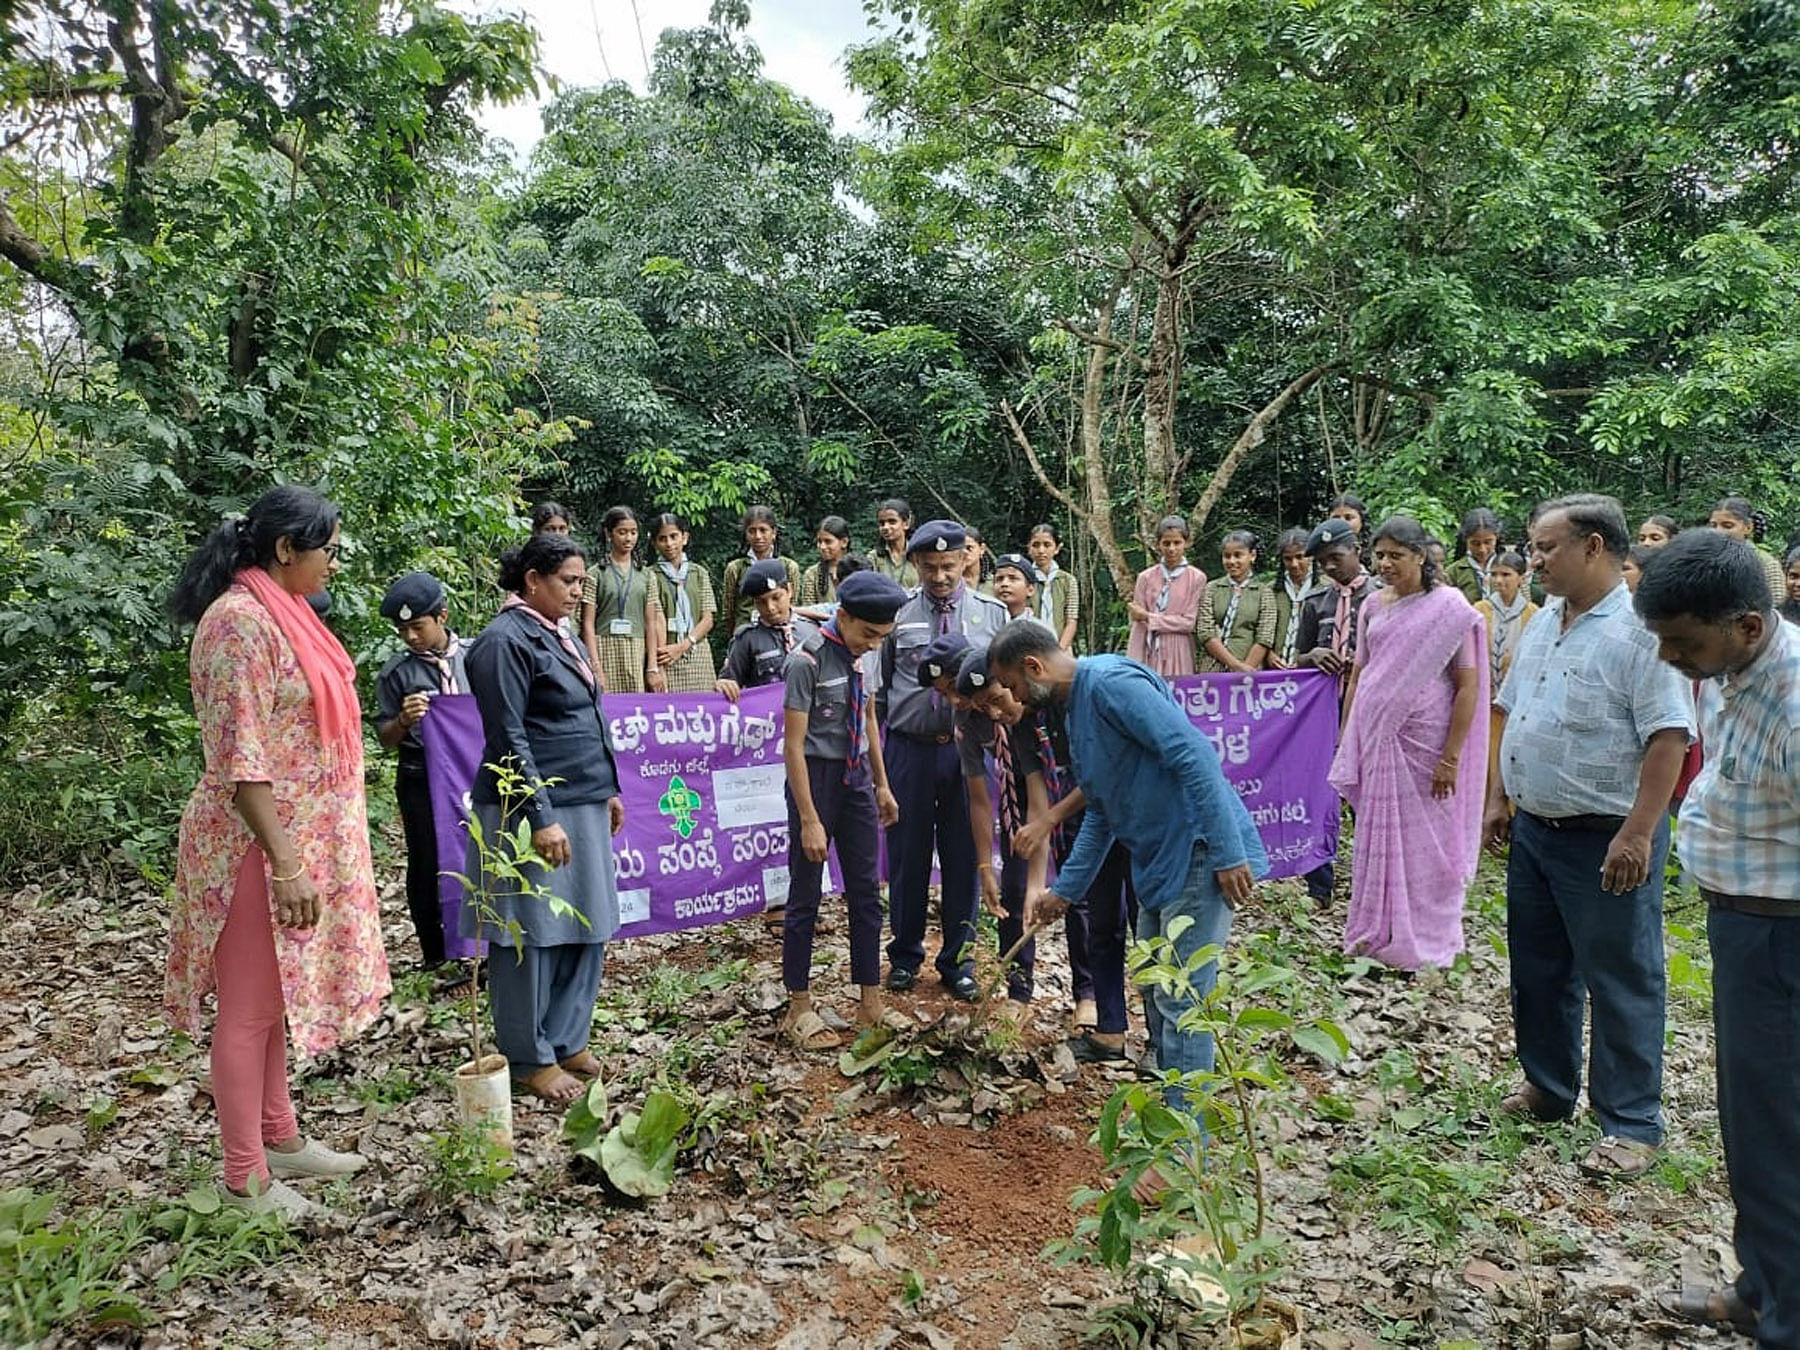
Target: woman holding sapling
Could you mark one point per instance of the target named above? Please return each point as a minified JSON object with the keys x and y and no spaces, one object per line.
{"x":546,"y":759}
{"x":275,"y":909}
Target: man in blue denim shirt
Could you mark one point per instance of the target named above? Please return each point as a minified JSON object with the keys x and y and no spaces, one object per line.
{"x":1153,"y":783}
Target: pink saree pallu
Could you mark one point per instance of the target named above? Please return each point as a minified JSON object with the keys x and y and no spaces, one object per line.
{"x":1414,"y":854}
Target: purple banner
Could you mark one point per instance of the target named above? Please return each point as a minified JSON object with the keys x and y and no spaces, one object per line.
{"x":1275,"y":731}
{"x":706,"y":836}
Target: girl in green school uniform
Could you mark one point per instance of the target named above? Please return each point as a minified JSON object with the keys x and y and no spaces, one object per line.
{"x":759,"y":534}
{"x":1236,"y":628}
{"x":618,"y":609}
{"x":1059,"y":596}
{"x":1480,"y":541}
{"x":680,"y":653}
{"x":818,"y":584}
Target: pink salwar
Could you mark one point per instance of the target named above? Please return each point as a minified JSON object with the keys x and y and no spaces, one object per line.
{"x":1414,"y":854}
{"x":249,"y":1043}
{"x":1166,"y":643}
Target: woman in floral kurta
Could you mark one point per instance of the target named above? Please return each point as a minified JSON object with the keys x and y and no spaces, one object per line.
{"x":261,"y":727}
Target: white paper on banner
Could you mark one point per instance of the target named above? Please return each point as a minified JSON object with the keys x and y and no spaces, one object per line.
{"x":634,"y":905}
{"x":750,"y":796}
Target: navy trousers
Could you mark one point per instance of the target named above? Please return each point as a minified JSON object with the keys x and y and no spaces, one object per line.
{"x":926,"y":780}
{"x":1574,"y":944}
{"x":848,"y":814}
{"x":1756,"y":1028}
{"x":1014,"y":873}
{"x":543,"y":1001}
{"x":1111,"y":914}
{"x":414,"y":792}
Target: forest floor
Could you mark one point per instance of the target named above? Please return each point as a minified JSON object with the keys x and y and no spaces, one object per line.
{"x":816,"y":1210}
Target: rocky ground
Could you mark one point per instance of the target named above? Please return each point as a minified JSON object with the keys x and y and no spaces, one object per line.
{"x":816,"y":1209}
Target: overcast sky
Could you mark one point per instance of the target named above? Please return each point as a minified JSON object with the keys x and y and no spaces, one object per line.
{"x":586,"y":42}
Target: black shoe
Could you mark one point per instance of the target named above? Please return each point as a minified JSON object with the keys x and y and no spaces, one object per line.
{"x":899,"y":981}
{"x":962,"y":987}
{"x":1087,"y":1050}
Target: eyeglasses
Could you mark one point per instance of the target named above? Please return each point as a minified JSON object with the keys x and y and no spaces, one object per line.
{"x":333,"y":551}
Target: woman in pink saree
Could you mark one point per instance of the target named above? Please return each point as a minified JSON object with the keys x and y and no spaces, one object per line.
{"x":1412,"y":759}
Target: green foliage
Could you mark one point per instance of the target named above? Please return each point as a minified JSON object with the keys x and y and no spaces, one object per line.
{"x":511,"y":866}
{"x":466,"y":1161}
{"x":637,"y":1155}
{"x":1202,"y":1133}
{"x":78,"y":1273}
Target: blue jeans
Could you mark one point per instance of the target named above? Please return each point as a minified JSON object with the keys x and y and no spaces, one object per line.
{"x":1756,"y":1028}
{"x":1201,"y":900}
{"x":1574,"y":944}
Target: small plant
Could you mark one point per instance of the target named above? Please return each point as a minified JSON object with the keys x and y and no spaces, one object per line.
{"x":509,"y":865}
{"x":467,"y":1161}
{"x":79,"y":1273}
{"x":1204,"y":1239}
{"x":637,"y":1155}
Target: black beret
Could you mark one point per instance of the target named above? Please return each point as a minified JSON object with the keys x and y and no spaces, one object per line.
{"x":942,"y":655}
{"x":1328,"y":533}
{"x":973,"y":678}
{"x":1021,"y":564}
{"x":937,"y":536}
{"x":871,"y":596}
{"x":412,"y":597}
{"x":762,"y":577}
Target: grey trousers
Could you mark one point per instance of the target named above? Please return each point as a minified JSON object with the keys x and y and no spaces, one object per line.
{"x":543,"y":1000}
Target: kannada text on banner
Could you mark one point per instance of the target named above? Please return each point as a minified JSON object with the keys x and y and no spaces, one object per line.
{"x":706,"y":833}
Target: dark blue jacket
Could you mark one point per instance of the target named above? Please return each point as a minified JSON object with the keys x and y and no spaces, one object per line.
{"x":540,"y":717}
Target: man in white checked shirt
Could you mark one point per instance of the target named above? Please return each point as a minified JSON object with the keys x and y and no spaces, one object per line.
{"x":1707,"y":600}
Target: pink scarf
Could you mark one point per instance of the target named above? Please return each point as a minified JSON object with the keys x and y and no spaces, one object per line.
{"x":330,"y":673}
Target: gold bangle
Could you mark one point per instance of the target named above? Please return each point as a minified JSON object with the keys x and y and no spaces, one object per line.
{"x":295,"y":875}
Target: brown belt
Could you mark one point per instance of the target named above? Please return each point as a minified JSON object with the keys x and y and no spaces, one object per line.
{"x":1752,"y":904}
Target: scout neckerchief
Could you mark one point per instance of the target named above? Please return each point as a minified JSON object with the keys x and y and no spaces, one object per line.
{"x":945,"y":610}
{"x":854,"y":760}
{"x":444,"y":663}
{"x":1046,"y":598}
{"x":1231,"y":607}
{"x":1506,"y":629}
{"x":1012,"y":816}
{"x":569,"y":645}
{"x":1162,"y":600}
{"x":682,"y":620}
{"x":786,"y":630}
{"x":1290,"y":640}
{"x":1056,"y":783}
{"x":1341,"y":627}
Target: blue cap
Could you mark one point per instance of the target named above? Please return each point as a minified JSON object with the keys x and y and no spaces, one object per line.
{"x":1020,"y":564}
{"x":942,"y":655}
{"x":873,"y":597}
{"x":762,"y":577}
{"x":973,"y":678}
{"x":1330,"y":532}
{"x":937,"y":536}
{"x":412,"y":597}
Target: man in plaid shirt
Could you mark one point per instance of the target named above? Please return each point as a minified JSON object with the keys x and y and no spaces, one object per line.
{"x":1706,"y":598}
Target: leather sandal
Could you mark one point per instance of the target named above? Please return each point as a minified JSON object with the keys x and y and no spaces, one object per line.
{"x":1618,"y":1159}
{"x":809,"y":1032}
{"x":1531,"y":1103}
{"x":1718,"y":1307}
